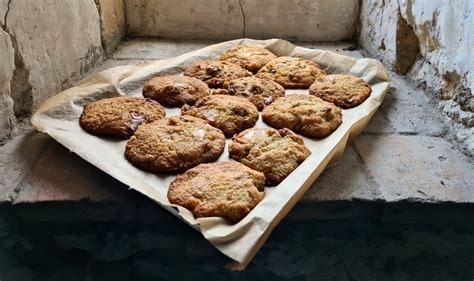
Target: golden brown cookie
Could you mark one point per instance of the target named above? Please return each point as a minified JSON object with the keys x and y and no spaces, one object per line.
{"x":250,"y":57}
{"x":217,"y":74}
{"x":228,"y":113}
{"x":175,"y":90}
{"x":120,"y":116}
{"x":305,"y":114}
{"x":346,"y":91}
{"x":174,"y":144}
{"x":276,"y":153}
{"x":224,"y":189}
{"x":259,"y":91}
{"x":291,"y":72}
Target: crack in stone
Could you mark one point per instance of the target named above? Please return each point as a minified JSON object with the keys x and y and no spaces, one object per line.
{"x":243,"y":18}
{"x":20,"y":86}
{"x":4,"y":26}
{"x":98,"y":7}
{"x":11,"y":116}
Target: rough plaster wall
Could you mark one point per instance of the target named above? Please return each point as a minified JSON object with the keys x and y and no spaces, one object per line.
{"x":7,"y":66}
{"x":113,"y":26}
{"x":379,"y":41}
{"x":431,"y":42}
{"x":445,"y":30}
{"x":211,"y":19}
{"x":55,"y":44}
{"x":321,"y":20}
{"x":46,"y":46}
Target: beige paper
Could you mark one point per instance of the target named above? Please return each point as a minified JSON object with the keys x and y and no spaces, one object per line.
{"x":59,"y":115}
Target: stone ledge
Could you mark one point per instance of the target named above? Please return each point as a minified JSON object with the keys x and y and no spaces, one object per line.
{"x":403,"y":155}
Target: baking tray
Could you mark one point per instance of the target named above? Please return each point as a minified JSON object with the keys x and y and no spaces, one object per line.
{"x":58,"y":117}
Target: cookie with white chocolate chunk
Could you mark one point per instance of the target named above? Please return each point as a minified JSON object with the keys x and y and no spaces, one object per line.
{"x":217,"y":74}
{"x":120,"y":116}
{"x":223,"y":189}
{"x":276,"y":153}
{"x":308,"y":115}
{"x":175,"y":90}
{"x":174,"y":144}
{"x":228,"y":113}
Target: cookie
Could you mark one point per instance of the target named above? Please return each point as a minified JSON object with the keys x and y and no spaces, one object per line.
{"x":345,"y":91}
{"x":250,"y":57}
{"x":305,"y":114}
{"x":228,"y":113}
{"x":219,"y":92}
{"x":291,"y":72}
{"x":120,"y":116}
{"x":175,"y":90}
{"x":217,"y":74}
{"x":174,"y":144}
{"x":224,"y":189}
{"x":275,"y":153}
{"x":260,"y":92}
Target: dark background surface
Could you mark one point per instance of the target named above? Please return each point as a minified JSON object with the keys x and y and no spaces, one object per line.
{"x":341,"y":241}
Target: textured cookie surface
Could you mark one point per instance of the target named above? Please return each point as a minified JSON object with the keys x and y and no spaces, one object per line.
{"x":120,"y":116}
{"x":305,"y":114}
{"x":217,"y":74}
{"x":276,"y":153}
{"x":228,"y":113}
{"x":250,"y":57}
{"x":224,"y":189}
{"x":259,"y":91}
{"x":291,"y":72}
{"x":175,"y":90}
{"x":174,"y":144}
{"x":345,"y":91}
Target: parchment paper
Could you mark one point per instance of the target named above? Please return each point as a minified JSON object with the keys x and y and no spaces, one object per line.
{"x":58,"y":117}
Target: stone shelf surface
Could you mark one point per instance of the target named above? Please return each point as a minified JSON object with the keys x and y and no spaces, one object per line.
{"x":405,"y":154}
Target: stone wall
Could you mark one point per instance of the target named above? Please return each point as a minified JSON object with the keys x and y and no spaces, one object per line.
{"x":59,"y":41}
{"x":113,"y":26}
{"x":46,"y":46}
{"x":7,"y":66}
{"x":307,"y":20}
{"x":431,"y":42}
